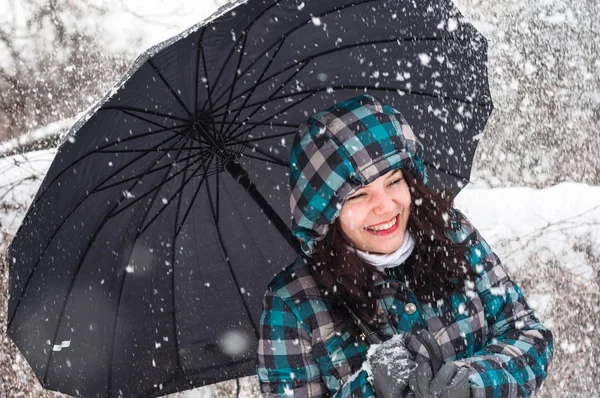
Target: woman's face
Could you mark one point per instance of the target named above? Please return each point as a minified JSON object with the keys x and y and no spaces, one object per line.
{"x":374,"y":218}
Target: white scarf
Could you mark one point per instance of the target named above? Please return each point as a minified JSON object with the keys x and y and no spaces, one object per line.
{"x":390,"y":260}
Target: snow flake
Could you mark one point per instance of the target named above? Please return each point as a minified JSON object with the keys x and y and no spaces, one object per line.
{"x":424,"y":58}
{"x":64,"y":344}
{"x":287,"y":391}
{"x":452,"y":24}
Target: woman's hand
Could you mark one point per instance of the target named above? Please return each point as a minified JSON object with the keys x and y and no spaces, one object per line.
{"x":450,"y":381}
{"x":390,"y":366}
{"x":430,"y":379}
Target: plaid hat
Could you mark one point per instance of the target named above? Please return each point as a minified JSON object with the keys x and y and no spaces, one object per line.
{"x":340,"y":149}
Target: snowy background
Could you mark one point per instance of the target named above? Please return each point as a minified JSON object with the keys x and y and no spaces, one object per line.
{"x":535,"y":192}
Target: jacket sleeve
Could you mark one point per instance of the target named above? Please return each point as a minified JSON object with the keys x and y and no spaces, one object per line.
{"x":286,"y":365}
{"x":515,"y":361}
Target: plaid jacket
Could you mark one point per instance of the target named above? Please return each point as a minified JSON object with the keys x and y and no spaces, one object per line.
{"x":490,"y":329}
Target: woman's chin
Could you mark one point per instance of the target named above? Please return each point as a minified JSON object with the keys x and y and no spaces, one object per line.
{"x":386,"y":247}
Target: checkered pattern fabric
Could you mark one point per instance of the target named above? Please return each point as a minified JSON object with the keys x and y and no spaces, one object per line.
{"x":338,"y":150}
{"x":491,"y":330}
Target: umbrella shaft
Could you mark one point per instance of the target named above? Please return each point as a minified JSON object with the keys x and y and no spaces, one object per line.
{"x":241,"y":176}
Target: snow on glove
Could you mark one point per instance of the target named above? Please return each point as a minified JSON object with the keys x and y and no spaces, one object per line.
{"x":390,"y":365}
{"x":430,"y":379}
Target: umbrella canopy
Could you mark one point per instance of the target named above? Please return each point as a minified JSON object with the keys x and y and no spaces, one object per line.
{"x":139,"y":268}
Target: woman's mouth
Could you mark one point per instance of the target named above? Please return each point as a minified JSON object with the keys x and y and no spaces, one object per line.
{"x":385,"y":228}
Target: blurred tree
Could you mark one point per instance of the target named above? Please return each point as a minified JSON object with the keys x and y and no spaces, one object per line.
{"x":51,"y":66}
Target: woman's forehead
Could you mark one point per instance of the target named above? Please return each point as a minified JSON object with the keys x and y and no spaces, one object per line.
{"x":387,"y":175}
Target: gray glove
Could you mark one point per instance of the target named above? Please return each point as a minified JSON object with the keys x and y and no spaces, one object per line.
{"x":390,"y":367}
{"x":432,"y":380}
{"x":450,"y":381}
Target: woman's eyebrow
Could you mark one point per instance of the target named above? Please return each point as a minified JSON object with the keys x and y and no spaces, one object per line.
{"x":395,"y":173}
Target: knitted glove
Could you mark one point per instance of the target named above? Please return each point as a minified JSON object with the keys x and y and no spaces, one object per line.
{"x":390,"y":364}
{"x":431,"y":380}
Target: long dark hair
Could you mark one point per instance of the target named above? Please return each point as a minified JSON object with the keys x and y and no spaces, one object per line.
{"x":440,"y":267}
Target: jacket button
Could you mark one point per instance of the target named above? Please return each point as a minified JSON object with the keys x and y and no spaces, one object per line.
{"x":410,"y":308}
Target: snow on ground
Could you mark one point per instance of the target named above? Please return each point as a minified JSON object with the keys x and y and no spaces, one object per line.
{"x":550,"y":222}
{"x":21,"y":175}
{"x":51,"y":130}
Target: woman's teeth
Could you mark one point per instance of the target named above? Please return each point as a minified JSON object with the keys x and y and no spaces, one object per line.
{"x":383,"y":227}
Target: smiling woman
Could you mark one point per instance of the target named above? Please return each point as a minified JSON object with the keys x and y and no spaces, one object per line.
{"x":374,"y":219}
{"x":383,"y":250}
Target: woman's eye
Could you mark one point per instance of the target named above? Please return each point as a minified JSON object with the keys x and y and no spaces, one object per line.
{"x":396,"y":181}
{"x":357,"y":196}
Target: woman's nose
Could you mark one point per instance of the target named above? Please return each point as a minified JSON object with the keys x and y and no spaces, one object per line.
{"x":384,"y":204}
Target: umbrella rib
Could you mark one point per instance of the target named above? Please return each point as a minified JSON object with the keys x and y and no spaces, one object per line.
{"x":253,"y":88}
{"x":129,"y":109}
{"x":210,"y":104}
{"x":262,"y":102}
{"x":228,"y":261}
{"x":229,"y":134}
{"x":187,"y":212}
{"x":261,"y":123}
{"x":300,"y":25}
{"x":91,"y":153}
{"x":146,"y":193}
{"x":196,"y":87}
{"x":175,"y":329}
{"x":135,"y":137}
{"x":446,"y":171}
{"x":138,"y":234}
{"x":394,"y":89}
{"x":48,"y":244}
{"x":271,"y":136}
{"x":150,"y":172}
{"x":217,"y":188}
{"x":179,"y":209}
{"x":273,"y":158}
{"x":235,"y":79}
{"x":245,"y":31}
{"x":150,"y":150}
{"x":269,"y":118}
{"x":180,"y":190}
{"x":412,"y":92}
{"x":239,"y":148}
{"x":171,"y":89}
{"x":303,"y":24}
{"x":179,"y":138}
{"x":246,"y":155}
{"x":337,"y":49}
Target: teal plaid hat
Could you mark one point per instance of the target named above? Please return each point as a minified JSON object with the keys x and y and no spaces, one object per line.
{"x":340,"y":149}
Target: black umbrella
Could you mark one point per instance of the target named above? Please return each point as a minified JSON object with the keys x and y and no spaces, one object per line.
{"x":140,"y":266}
